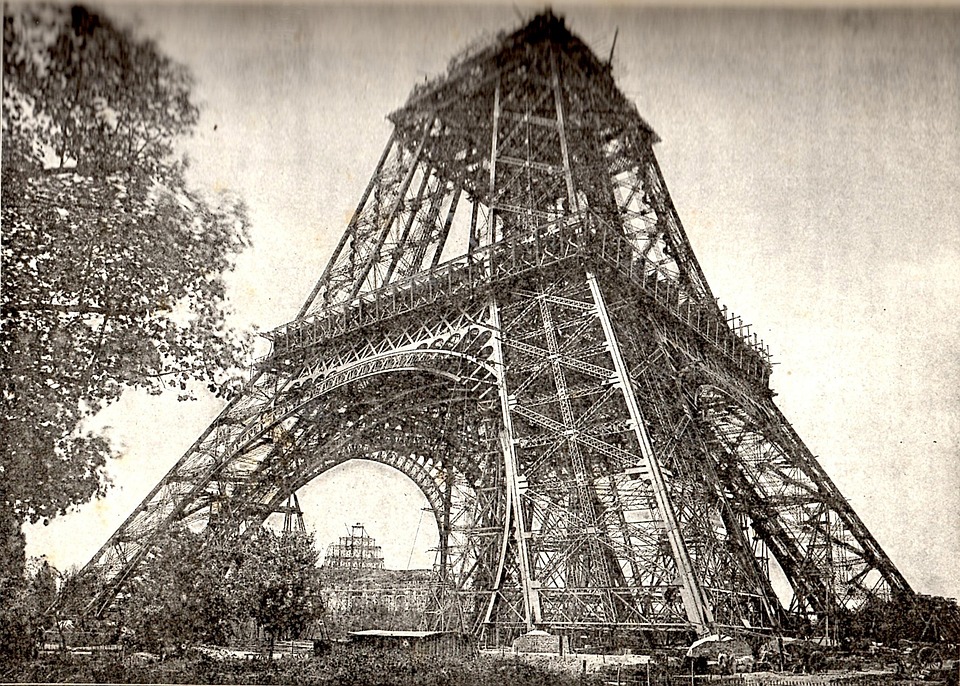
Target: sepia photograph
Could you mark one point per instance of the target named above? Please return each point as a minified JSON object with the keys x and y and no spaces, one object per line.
{"x":450,"y":343}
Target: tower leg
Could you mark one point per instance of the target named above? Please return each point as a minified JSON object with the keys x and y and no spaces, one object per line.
{"x":514,"y":511}
{"x":698,"y":610}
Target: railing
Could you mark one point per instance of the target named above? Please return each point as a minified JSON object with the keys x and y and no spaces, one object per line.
{"x":473,"y":274}
{"x":467,"y":275}
{"x":712,"y":323}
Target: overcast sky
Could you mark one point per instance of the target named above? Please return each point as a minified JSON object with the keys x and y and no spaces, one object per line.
{"x":814,"y":158}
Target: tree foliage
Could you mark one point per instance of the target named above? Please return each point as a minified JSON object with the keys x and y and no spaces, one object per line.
{"x":903,"y":617}
{"x":278,"y":581}
{"x":23,"y":611}
{"x":206,"y":588}
{"x":113,"y":267}
{"x":181,"y":595}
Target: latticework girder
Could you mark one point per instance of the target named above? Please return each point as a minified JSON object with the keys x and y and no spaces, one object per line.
{"x":515,"y":319}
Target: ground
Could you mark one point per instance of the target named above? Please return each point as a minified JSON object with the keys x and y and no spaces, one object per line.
{"x":350,"y":665}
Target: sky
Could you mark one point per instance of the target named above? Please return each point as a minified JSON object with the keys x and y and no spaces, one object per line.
{"x":814,"y":159}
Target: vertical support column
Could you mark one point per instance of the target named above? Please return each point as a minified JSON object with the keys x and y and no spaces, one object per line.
{"x":514,"y":509}
{"x":348,"y":234}
{"x":448,"y":222}
{"x":293,"y":516}
{"x":494,"y":145}
{"x":447,"y":469}
{"x":408,"y":225}
{"x":694,"y":600}
{"x":474,"y":241}
{"x":567,"y":172}
{"x":398,"y":203}
{"x":594,"y":568}
{"x":830,"y":580}
{"x":674,"y":233}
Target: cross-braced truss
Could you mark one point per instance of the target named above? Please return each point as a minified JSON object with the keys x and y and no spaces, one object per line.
{"x":514,"y":318}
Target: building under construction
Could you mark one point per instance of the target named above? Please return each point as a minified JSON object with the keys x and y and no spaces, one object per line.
{"x":357,"y":550}
{"x":360,"y":593}
{"x":515,"y":319}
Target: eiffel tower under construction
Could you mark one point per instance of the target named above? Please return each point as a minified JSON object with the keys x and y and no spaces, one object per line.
{"x":515,"y":319}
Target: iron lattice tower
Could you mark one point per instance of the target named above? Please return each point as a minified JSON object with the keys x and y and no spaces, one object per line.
{"x":515,"y":319}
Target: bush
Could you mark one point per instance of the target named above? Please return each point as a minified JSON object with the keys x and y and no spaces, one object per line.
{"x":343,"y":665}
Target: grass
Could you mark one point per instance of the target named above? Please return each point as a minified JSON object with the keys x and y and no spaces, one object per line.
{"x":341,"y":666}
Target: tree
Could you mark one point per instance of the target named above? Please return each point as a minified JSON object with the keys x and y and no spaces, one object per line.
{"x":41,"y":589}
{"x":202,"y":588}
{"x":113,"y":267}
{"x":180,"y":594}
{"x":22,"y":614}
{"x":279,"y":584}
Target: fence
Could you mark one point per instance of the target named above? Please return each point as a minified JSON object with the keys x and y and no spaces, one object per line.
{"x":637,"y":676}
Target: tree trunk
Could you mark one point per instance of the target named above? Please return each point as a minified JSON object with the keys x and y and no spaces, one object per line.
{"x":16,"y":632}
{"x":12,"y":553}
